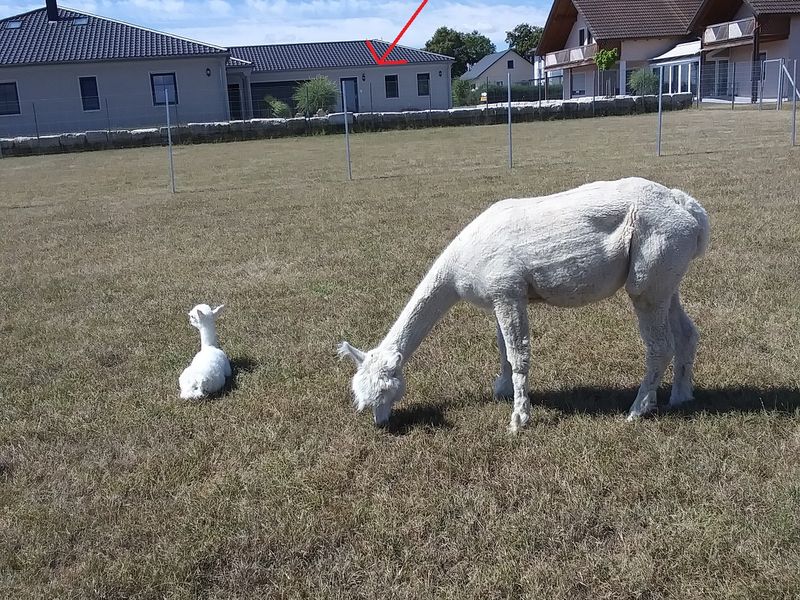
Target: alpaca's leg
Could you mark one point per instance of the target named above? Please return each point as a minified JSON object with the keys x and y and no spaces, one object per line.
{"x":654,"y":328}
{"x":685,"y":335}
{"x":512,"y":317}
{"x":503,"y":385}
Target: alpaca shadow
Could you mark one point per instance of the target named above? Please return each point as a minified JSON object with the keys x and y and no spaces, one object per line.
{"x":426,"y":416}
{"x":722,"y":400}
{"x":239,"y":365}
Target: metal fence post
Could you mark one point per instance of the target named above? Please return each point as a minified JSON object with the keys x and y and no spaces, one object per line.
{"x":346,"y":134}
{"x":660,"y":114}
{"x":169,"y":143}
{"x":733,"y":88}
{"x":794,"y":105}
{"x":761,"y":74}
{"x":699,"y":80}
{"x":35,"y":119}
{"x":510,"y":141}
{"x":371,"y":107}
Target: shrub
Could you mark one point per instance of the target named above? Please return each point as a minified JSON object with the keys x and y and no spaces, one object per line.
{"x":276,"y":108}
{"x":463,"y":95}
{"x":315,"y":94}
{"x":644,"y":81}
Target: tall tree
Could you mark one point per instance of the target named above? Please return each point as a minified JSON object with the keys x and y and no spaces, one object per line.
{"x":476,"y":46}
{"x":465,"y":48}
{"x":524,"y":38}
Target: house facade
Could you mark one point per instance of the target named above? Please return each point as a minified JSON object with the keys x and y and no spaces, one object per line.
{"x":638,"y":29}
{"x":743,"y":45}
{"x":61,"y":70}
{"x":696,"y":40}
{"x":495,"y":69}
{"x":423,"y":82}
{"x":68,"y":71}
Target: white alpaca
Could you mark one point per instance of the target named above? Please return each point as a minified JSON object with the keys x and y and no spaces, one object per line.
{"x":568,"y":249}
{"x":209,"y":368}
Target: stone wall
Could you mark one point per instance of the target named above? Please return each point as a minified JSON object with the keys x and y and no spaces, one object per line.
{"x":198,"y":133}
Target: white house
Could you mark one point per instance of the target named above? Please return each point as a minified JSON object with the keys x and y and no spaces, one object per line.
{"x":694,"y":38}
{"x":422,"y":83}
{"x":63,"y":70}
{"x":496,"y":67}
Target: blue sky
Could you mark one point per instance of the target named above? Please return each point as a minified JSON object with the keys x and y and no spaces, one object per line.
{"x":240,"y":22}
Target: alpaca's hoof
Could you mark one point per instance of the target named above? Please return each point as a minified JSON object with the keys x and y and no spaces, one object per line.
{"x":503,"y":388}
{"x":679,"y":399}
{"x":518,"y":421}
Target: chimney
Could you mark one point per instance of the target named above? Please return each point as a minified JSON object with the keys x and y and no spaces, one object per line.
{"x":52,"y":10}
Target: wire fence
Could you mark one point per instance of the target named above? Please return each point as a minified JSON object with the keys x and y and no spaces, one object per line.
{"x":770,"y":84}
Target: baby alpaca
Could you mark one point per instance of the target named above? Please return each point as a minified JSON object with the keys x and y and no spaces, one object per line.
{"x":210,"y":367}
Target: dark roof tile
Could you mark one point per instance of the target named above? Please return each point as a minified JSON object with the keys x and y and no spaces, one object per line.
{"x":37,"y":41}
{"x":326,"y":55}
{"x":625,"y":19}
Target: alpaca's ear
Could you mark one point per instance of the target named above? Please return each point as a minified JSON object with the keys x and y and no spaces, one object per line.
{"x":218,"y":311}
{"x":397,"y":360}
{"x":356,"y":355}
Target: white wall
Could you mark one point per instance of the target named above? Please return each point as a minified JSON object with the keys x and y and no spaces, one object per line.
{"x":372,"y":88}
{"x":574,"y":37}
{"x":50,"y":95}
{"x":498,"y":72}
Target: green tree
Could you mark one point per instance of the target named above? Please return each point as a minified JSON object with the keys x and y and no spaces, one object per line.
{"x":524,"y":39}
{"x":644,"y":81}
{"x":315,"y":94}
{"x":605,"y":59}
{"x":465,"y":48}
{"x":476,"y":46}
{"x":276,"y":108}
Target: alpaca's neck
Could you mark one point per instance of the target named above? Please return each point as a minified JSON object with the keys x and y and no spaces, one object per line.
{"x":434,"y":296}
{"x":208,"y":337}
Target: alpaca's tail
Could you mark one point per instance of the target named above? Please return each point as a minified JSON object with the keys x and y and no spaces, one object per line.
{"x":693,"y":207}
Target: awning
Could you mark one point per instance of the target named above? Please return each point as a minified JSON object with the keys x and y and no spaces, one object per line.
{"x":685,"y":52}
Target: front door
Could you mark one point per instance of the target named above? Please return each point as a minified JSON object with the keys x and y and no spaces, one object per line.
{"x":350,"y":88}
{"x":235,"y":101}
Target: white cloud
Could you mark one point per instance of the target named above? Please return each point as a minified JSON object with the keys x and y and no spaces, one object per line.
{"x":241,"y":22}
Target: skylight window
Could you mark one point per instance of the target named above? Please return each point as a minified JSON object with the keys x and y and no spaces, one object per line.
{"x":13,"y":24}
{"x":80,"y":21}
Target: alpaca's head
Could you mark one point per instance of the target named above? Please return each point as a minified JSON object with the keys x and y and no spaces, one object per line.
{"x":203,"y":316}
{"x":378,"y":382}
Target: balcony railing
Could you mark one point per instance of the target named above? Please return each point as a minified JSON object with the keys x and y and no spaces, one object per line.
{"x":730,"y":32}
{"x":570,"y":56}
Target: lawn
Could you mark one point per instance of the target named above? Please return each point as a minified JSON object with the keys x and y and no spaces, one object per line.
{"x":112,"y":487}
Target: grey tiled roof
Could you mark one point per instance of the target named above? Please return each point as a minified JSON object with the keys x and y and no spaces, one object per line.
{"x":326,"y":55}
{"x":483,"y":64}
{"x":37,"y":41}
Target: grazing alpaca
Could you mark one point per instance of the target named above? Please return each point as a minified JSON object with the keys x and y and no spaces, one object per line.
{"x":210,"y":367}
{"x":568,"y":249}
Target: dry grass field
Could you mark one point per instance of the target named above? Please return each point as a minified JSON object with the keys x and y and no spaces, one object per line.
{"x":112,"y":487}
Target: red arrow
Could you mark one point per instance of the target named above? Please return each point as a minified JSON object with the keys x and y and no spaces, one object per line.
{"x":382,"y":60}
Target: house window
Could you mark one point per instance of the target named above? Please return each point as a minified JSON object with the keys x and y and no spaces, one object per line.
{"x":423,"y":84}
{"x":392,"y":88}
{"x":163,"y":85}
{"x":581,"y":36}
{"x":578,"y":84}
{"x":89,"y":96}
{"x":13,"y":24}
{"x":589,"y":38}
{"x":9,"y":100}
{"x":80,"y":21}
{"x":511,"y":64}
